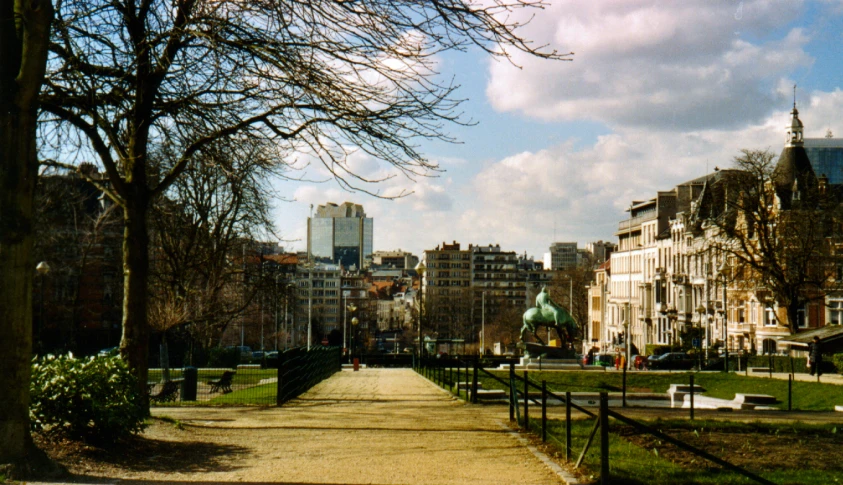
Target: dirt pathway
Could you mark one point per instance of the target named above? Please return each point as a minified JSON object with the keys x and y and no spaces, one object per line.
{"x":376,"y":426}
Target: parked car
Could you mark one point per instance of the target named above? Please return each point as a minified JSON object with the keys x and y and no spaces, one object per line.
{"x":671,"y":361}
{"x":109,"y":352}
{"x":640,"y":362}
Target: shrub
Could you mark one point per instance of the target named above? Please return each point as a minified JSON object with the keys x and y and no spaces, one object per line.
{"x":93,"y":398}
{"x":837,"y":359}
{"x":656,"y":349}
{"x":224,"y":357}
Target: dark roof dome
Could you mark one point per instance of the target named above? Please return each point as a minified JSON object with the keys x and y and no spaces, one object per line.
{"x":794,"y":178}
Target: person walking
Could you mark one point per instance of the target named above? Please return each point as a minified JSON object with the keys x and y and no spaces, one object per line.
{"x":815,"y":356}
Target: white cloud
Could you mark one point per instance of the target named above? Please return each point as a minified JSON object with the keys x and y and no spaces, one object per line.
{"x":677,"y":65}
{"x":582,"y":194}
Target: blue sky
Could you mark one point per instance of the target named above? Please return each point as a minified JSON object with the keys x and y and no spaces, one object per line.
{"x":658,"y":93}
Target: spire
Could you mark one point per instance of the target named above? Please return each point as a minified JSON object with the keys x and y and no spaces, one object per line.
{"x":794,"y":131}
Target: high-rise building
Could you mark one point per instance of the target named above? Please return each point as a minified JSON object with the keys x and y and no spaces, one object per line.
{"x":826,"y":156}
{"x":562,"y":255}
{"x":340,"y":234}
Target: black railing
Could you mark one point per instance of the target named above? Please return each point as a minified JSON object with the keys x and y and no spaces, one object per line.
{"x":441,"y":371}
{"x":301,"y":369}
{"x":245,"y":384}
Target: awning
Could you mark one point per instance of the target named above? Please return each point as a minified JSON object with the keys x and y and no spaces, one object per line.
{"x":827,"y":334}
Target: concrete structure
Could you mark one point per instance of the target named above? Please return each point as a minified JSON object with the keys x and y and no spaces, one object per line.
{"x":340,"y":234}
{"x":394,"y":259}
{"x":562,"y":255}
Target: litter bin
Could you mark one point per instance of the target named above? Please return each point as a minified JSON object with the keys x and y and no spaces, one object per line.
{"x":188,"y":386}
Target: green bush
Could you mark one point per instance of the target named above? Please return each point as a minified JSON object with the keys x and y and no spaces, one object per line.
{"x":224,"y":357}
{"x":656,"y":349}
{"x":837,"y":359}
{"x":93,"y":398}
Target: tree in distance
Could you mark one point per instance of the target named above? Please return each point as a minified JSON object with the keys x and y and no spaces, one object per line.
{"x":316,"y":78}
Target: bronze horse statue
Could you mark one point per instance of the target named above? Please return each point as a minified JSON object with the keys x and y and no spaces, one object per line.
{"x":548,"y":314}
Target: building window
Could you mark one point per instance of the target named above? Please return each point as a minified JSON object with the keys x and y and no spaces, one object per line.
{"x":769,"y":317}
{"x":835,"y":312}
{"x":801,"y":318}
{"x":768,"y":346}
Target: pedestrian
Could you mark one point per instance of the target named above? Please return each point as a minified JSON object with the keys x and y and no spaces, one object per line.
{"x":815,"y":356}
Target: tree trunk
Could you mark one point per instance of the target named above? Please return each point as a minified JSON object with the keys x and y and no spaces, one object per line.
{"x":24,"y":34}
{"x":792,"y":315}
{"x":134,"y":346}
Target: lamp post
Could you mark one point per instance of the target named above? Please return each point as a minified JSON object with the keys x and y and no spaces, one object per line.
{"x":420,"y":269}
{"x":672,"y":317}
{"x":43,"y":268}
{"x":348,"y":308}
{"x":483,"y":326}
{"x":354,"y":322}
{"x":702,"y":311}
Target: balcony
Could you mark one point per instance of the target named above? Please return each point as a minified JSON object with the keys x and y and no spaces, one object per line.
{"x":626,"y":224}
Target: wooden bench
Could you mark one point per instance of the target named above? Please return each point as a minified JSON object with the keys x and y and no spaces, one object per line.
{"x":223,"y":384}
{"x":677,"y":392}
{"x":168,"y":393}
{"x":750,"y":401}
{"x":759,"y":370}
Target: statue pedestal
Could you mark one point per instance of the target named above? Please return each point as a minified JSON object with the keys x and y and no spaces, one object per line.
{"x":532,"y":350}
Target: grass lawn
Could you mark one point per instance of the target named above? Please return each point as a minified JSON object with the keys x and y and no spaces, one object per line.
{"x":785,"y":454}
{"x":263,"y":395}
{"x":807,"y":396}
{"x":242,"y":376}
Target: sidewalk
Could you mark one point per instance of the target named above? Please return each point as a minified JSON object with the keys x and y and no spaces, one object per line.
{"x":375,"y":426}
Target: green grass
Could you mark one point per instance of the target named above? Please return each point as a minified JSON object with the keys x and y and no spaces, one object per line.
{"x":263,"y":394}
{"x":631,"y":464}
{"x":242,"y":376}
{"x":807,"y":396}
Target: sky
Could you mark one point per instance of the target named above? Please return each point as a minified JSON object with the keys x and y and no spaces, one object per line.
{"x":658,"y":93}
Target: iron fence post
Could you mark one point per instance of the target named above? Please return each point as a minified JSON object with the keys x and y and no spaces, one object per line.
{"x":790,"y":392}
{"x":511,"y":396}
{"x":544,"y":411}
{"x":604,"y":438}
{"x":474,"y":380}
{"x":624,"y":386}
{"x":568,"y":425}
{"x":692,"y":397}
{"x":526,"y":402}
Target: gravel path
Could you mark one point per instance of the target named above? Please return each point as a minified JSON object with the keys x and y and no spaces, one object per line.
{"x":376,"y":426}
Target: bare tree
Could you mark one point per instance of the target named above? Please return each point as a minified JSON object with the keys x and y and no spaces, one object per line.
{"x":200,"y":233}
{"x":318,"y":77}
{"x":787,"y":256}
{"x":24,"y":39}
{"x":568,"y":288}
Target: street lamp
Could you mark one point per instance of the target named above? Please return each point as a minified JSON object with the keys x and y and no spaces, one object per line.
{"x":43,"y":268}
{"x":354,"y":322}
{"x":672,"y":317}
{"x":702,"y":311}
{"x":420,"y":269}
{"x":348,"y":308}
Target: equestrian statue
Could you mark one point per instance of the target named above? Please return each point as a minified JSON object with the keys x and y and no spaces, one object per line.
{"x":548,"y":314}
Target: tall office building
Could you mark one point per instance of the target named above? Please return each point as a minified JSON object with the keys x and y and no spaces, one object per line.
{"x":340,"y":234}
{"x":826,"y":156}
{"x":562,"y":255}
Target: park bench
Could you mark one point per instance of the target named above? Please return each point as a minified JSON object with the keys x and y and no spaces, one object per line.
{"x":168,"y":392}
{"x":223,"y":384}
{"x":751,"y":401}
{"x":677,"y":392}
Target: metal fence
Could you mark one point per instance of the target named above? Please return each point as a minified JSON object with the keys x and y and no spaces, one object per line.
{"x":460,"y":375}
{"x":298,"y":371}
